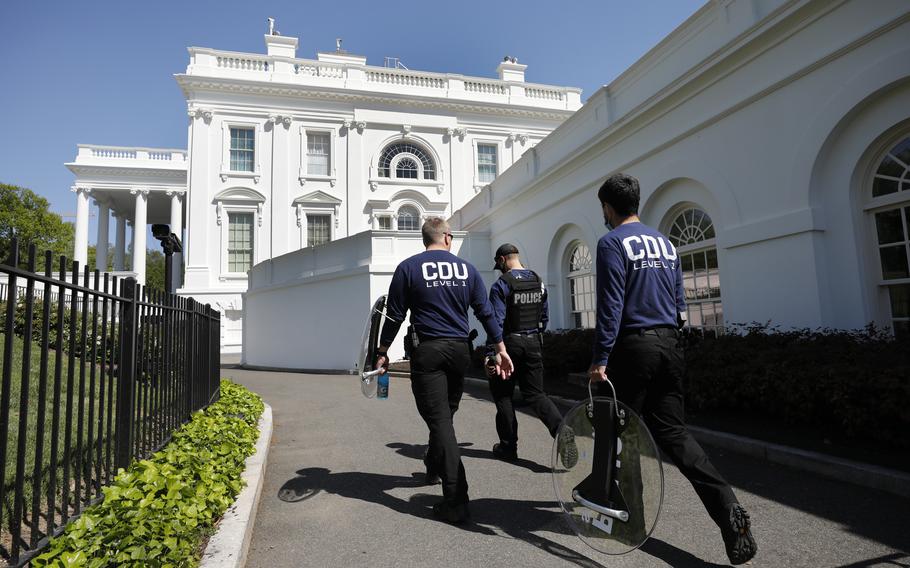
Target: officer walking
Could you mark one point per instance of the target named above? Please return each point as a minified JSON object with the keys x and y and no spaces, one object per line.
{"x":438,"y":287}
{"x":640,"y":302}
{"x":519,"y":301}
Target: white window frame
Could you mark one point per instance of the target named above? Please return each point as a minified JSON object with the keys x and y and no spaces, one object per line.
{"x":699,"y":247}
{"x":223,"y":208}
{"x":499,"y":152}
{"x":312,"y":208}
{"x":421,"y":215}
{"x":226,"y":171}
{"x":571,"y":275}
{"x":882,"y":312}
{"x":303,"y":175}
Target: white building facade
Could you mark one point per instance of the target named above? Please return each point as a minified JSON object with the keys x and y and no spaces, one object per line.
{"x":286,"y":154}
{"x":772,"y":142}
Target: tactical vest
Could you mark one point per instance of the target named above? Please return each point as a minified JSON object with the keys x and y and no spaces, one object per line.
{"x":524,"y":305}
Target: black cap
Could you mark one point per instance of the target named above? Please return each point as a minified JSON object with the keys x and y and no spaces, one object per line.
{"x":504,"y":250}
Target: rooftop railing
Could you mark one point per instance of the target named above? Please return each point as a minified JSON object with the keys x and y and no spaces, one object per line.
{"x":225,"y":64}
{"x":91,"y":151}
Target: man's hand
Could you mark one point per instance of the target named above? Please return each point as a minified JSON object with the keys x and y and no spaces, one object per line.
{"x":597,"y":373}
{"x":382,"y":360}
{"x":504,"y":368}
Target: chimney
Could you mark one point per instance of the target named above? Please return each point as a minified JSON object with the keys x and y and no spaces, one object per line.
{"x":282,"y":46}
{"x":511,"y":70}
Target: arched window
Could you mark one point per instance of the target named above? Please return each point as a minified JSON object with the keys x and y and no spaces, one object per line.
{"x":406,"y":168}
{"x":408,"y":219}
{"x":692,"y":233}
{"x":890,"y":208}
{"x":581,"y":286}
{"x":406,"y":161}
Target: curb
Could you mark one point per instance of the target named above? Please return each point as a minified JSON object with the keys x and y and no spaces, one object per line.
{"x":858,"y":473}
{"x":228,"y":547}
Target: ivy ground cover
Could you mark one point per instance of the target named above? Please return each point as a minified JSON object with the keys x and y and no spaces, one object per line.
{"x":157,"y":511}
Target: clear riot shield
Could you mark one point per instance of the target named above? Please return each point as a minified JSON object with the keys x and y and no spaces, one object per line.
{"x":369,"y":342}
{"x":613,"y":494}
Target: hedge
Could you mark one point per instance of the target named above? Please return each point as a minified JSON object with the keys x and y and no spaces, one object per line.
{"x":849,"y":385}
{"x":157,"y":511}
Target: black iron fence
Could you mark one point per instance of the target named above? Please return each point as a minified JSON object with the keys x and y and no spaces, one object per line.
{"x":94,"y":374}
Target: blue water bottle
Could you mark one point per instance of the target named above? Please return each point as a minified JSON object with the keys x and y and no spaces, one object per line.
{"x":382,"y":386}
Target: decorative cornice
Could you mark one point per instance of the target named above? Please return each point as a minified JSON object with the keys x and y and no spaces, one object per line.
{"x":127,"y":171}
{"x":188,"y":82}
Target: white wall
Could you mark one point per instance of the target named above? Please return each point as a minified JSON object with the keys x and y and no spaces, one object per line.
{"x":768,"y":135}
{"x":307,"y":309}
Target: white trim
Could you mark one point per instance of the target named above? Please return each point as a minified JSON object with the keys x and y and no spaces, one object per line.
{"x":475,"y":142}
{"x":228,"y":208}
{"x":226,"y":171}
{"x":303,"y":175}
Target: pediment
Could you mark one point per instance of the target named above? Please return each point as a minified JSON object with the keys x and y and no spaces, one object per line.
{"x":317,"y":197}
{"x":242,"y":194}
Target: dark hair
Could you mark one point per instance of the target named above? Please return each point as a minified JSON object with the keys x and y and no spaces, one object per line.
{"x":621,"y":191}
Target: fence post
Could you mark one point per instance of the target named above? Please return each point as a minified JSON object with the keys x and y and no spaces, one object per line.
{"x":126,"y":375}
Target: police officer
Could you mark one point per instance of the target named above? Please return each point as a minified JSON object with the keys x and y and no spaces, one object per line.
{"x":438,"y":287}
{"x":519,"y":301}
{"x":640,"y":300}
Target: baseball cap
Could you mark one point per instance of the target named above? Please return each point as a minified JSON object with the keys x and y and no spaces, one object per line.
{"x":504,"y":250}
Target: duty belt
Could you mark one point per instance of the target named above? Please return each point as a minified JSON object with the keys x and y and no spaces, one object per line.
{"x":658,"y":331}
{"x":522,"y":333}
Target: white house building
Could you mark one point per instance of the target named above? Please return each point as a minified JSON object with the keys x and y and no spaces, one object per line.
{"x":287,"y":154}
{"x":772,"y":142}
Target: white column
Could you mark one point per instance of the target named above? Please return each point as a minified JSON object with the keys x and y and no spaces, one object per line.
{"x":101,"y":246}
{"x":139,"y":230}
{"x":119,"y":241}
{"x":177,"y":215}
{"x":80,"y":250}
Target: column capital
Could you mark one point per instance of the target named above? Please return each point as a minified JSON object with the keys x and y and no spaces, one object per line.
{"x":280,"y":119}
{"x":203,"y":113}
{"x":77,"y":189}
{"x":138,"y":190}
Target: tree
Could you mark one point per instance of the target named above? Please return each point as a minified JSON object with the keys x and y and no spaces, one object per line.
{"x":25,"y":214}
{"x":154,"y":270}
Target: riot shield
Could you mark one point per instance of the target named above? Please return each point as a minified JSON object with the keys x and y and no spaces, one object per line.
{"x":613,"y":494}
{"x":369,"y":342}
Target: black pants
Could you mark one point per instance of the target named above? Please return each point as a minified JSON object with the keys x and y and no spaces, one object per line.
{"x":647,"y":370}
{"x":525,"y":353}
{"x":437,"y":381}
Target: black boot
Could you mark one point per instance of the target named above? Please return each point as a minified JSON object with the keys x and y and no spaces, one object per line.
{"x":506,"y":452}
{"x":737,"y":535}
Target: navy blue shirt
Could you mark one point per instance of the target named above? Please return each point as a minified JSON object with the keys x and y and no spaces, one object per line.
{"x":639,"y":284}
{"x":437,"y":287}
{"x":499,"y":295}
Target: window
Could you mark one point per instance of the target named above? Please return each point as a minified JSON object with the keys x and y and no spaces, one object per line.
{"x":406,"y":168}
{"x":385,"y":223}
{"x":692,"y":233}
{"x":240,"y":242}
{"x":318,"y":229}
{"x":892,"y":233}
{"x":486,"y":162}
{"x":317,"y":153}
{"x":408,"y":219}
{"x":242,"y":149}
{"x":582,"y":301}
{"x":407,"y":161}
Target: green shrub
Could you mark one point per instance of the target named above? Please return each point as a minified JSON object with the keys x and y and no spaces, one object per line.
{"x":847,"y":384}
{"x":156,"y":511}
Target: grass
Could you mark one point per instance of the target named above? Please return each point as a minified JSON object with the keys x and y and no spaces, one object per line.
{"x":91,"y":402}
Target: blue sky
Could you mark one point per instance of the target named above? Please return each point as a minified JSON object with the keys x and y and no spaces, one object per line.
{"x":100,"y":72}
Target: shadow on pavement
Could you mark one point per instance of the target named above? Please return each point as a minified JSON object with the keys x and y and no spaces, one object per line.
{"x":676,"y":557}
{"x":416,"y":451}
